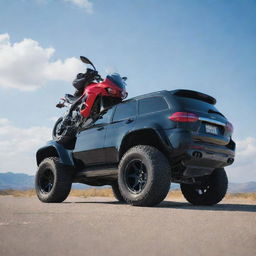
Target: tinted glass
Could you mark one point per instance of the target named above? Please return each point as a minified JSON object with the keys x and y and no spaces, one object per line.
{"x":106,"y":117}
{"x":152,"y":105}
{"x":194,"y":104}
{"x":125,"y":111}
{"x":117,"y":79}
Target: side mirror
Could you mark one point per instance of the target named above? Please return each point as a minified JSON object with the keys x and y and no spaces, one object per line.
{"x":124,"y":78}
{"x":86,"y":61}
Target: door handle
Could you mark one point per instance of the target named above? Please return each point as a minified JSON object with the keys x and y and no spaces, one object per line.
{"x":130,"y":120}
{"x":100,"y":128}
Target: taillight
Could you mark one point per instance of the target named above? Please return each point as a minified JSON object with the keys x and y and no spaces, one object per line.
{"x":183,"y":117}
{"x":229,"y":127}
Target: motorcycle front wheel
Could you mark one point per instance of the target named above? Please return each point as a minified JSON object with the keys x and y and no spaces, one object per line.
{"x":56,"y":127}
{"x":66,"y":136}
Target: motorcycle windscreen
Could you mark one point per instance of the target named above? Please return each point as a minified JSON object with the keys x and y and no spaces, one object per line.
{"x":117,"y":79}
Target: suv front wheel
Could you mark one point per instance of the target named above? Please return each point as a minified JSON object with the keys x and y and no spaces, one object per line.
{"x":53,"y":181}
{"x":144,"y":176}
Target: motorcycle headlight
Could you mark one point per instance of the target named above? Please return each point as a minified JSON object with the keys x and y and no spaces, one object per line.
{"x":111,"y":91}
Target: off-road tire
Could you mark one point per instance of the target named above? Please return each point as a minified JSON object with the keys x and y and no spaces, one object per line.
{"x":61,"y":181}
{"x":157,"y":183}
{"x":117,"y":193}
{"x":211,"y":192}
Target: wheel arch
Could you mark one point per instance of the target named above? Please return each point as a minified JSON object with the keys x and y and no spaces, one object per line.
{"x":145,"y":136}
{"x":53,"y":149}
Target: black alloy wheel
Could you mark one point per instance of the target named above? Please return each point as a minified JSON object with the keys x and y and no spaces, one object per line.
{"x":202,"y":190}
{"x":144,"y":176}
{"x":46,"y":181}
{"x":211,"y":191}
{"x":53,"y":180}
{"x":136,"y":176}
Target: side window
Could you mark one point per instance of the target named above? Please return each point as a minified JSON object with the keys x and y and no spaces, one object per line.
{"x":153,"y":104}
{"x":125,"y":110}
{"x":105,"y":118}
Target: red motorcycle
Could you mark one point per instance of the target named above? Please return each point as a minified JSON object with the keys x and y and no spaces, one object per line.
{"x":93,"y":96}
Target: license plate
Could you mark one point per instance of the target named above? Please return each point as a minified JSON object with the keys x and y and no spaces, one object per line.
{"x":211,"y":129}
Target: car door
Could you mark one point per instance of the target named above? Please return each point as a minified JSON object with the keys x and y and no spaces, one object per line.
{"x":123,"y":121}
{"x":89,"y":148}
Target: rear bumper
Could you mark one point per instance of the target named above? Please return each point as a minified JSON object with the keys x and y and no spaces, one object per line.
{"x":198,"y":157}
{"x":217,"y":153}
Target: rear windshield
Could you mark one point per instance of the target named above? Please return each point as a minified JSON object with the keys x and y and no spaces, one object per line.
{"x":196,"y":105}
{"x":152,"y":104}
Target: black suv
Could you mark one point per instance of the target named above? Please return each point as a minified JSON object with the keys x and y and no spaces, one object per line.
{"x":141,"y":145}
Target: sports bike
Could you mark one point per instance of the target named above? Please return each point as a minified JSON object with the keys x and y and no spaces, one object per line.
{"x":96,"y":95}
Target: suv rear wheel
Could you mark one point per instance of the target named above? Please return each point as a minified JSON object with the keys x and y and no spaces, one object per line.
{"x":211,"y":192}
{"x":144,"y":176}
{"x":53,"y":181}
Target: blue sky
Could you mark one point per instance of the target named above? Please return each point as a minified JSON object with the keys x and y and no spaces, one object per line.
{"x":209,"y":46}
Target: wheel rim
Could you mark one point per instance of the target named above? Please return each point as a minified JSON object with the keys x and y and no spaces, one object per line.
{"x":46,"y":181}
{"x":136,"y":176}
{"x":59,"y":129}
{"x":201,"y":191}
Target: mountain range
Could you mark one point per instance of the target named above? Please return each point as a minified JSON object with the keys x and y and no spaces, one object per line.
{"x":22,"y":181}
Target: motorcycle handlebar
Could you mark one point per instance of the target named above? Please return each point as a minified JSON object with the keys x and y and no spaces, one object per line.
{"x":95,"y":75}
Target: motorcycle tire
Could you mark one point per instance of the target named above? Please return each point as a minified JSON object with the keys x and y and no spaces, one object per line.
{"x":54,"y":131}
{"x":66,"y":137}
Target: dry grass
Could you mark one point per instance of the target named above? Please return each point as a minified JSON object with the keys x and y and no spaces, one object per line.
{"x":92,"y":192}
{"x":174,"y":194}
{"x":107,"y":192}
{"x":251,"y":196}
{"x":16,"y":193}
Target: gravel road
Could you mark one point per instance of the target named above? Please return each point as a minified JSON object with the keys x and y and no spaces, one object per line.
{"x":104,"y":227}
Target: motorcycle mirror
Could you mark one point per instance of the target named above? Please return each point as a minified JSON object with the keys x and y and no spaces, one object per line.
{"x":86,"y":61}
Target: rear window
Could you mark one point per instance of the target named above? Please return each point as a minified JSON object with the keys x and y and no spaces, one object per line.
{"x":153,"y":104}
{"x":196,"y":105}
{"x":125,"y":111}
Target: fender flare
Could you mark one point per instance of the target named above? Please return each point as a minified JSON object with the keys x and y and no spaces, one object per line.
{"x":158,"y":133}
{"x":51,"y":149}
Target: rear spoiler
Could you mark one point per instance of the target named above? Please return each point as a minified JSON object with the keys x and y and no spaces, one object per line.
{"x":194,"y":95}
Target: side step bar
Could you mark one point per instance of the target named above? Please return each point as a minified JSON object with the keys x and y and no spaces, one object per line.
{"x":98,"y":171}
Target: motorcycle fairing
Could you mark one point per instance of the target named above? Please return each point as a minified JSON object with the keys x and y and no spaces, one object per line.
{"x":92,"y":92}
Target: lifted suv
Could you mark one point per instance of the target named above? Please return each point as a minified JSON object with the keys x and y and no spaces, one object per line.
{"x":140,"y":146}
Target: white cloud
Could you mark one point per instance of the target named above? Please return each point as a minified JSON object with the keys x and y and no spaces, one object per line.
{"x":244,"y":167}
{"x":28,"y":66}
{"x":18,"y":146}
{"x":86,"y":4}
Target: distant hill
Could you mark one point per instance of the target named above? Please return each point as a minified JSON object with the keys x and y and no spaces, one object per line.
{"x":247,"y":187}
{"x":21,"y":181}
{"x":18,"y":181}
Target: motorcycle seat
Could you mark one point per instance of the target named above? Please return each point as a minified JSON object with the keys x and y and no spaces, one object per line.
{"x":70,"y":98}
